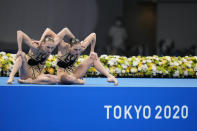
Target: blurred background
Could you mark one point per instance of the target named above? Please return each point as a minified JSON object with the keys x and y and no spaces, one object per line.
{"x":123,"y":27}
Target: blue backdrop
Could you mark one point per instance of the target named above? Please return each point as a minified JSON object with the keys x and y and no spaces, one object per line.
{"x":55,"y":108}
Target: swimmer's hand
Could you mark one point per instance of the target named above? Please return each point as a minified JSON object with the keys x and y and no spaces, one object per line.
{"x":19,"y":53}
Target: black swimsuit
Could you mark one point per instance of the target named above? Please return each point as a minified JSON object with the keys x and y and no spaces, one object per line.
{"x":67,"y":62}
{"x":36,"y":62}
{"x":33,"y":62}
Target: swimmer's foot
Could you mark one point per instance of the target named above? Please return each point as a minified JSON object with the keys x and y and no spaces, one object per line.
{"x":10,"y":80}
{"x":82,"y":81}
{"x":111,"y":78}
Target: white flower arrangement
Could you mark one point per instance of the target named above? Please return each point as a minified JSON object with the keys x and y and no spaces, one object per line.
{"x":121,"y":66}
{"x":176,"y":73}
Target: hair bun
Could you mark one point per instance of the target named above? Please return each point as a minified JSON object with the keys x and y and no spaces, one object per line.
{"x":48,"y":38}
{"x":74,"y":41}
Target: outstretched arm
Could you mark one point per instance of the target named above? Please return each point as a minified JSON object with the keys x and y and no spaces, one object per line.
{"x":91,"y":39}
{"x":64,"y":32}
{"x":22,"y":36}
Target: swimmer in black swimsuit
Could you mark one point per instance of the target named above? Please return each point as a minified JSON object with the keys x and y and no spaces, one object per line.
{"x":31,"y":66}
{"x":68,"y":54}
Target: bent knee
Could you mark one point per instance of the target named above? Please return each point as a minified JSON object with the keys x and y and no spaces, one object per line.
{"x":23,"y":54}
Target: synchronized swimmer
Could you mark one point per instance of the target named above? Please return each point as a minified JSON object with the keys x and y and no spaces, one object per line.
{"x":31,"y":67}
